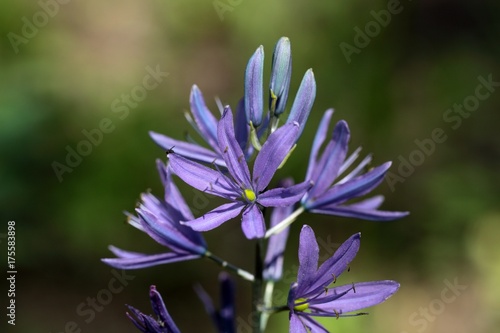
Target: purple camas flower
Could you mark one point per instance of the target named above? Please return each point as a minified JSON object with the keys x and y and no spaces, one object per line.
{"x":330,"y":192}
{"x":310,"y":295}
{"x":160,"y":219}
{"x":244,"y":191}
{"x":220,"y":167}
{"x":147,"y":324}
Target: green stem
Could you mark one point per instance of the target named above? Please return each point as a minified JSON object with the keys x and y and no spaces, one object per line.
{"x":268,"y":299}
{"x":241,"y":272}
{"x":257,"y":288}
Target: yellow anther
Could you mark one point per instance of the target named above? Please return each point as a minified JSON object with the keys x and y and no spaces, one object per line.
{"x":302,"y":306}
{"x":249,"y":195}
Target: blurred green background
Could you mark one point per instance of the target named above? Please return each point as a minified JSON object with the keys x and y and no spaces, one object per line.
{"x":64,"y":66}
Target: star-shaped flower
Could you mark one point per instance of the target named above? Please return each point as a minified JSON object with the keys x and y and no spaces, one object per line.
{"x":310,"y":296}
{"x":160,"y":219}
{"x":330,"y":192}
{"x":245,"y":192}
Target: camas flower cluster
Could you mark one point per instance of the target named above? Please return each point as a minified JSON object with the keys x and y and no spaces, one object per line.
{"x":238,"y":160}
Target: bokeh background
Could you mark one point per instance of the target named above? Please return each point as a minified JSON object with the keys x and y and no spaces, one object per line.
{"x":62,"y":72}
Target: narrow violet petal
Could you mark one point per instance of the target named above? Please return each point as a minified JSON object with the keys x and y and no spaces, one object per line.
{"x":308,"y":259}
{"x":273,"y":262}
{"x":331,"y":160}
{"x":205,"y":120}
{"x":157,"y":211}
{"x":334,"y":266}
{"x":312,"y":325}
{"x":137,"y":318}
{"x":202,"y":177}
{"x":353,"y":188}
{"x":231,"y":151}
{"x":124,"y":253}
{"x":252,"y":222}
{"x":253,"y":87}
{"x":370,"y":215}
{"x":368,"y":204}
{"x":281,"y":72}
{"x":273,"y":152}
{"x":296,"y":325}
{"x":151,"y":325}
{"x":303,"y":102}
{"x":161,"y":310}
{"x":186,"y":149}
{"x":168,"y":234}
{"x":366,"y":294}
{"x":283,"y":196}
{"x":149,"y":260}
{"x":242,"y":129}
{"x":175,"y":200}
{"x":162,"y":171}
{"x":216,"y":217}
{"x":319,"y":138}
{"x":173,"y":197}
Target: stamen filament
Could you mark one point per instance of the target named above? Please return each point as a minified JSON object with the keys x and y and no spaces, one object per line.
{"x":285,"y":223}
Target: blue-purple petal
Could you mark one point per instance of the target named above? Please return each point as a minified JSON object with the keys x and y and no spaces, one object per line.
{"x":366,"y":294}
{"x":168,"y":234}
{"x":202,"y":177}
{"x":253,"y":87}
{"x":205,"y":120}
{"x":304,"y":100}
{"x":283,"y":196}
{"x":351,"y":212}
{"x":333,"y":266}
{"x":186,"y":149}
{"x":252,"y":222}
{"x":161,"y":310}
{"x":148,"y":260}
{"x":319,"y":138}
{"x":175,"y":203}
{"x":353,"y":188}
{"x":296,"y":325}
{"x":308,"y":259}
{"x":216,"y":217}
{"x":327,"y":168}
{"x":273,"y":152}
{"x":231,"y":150}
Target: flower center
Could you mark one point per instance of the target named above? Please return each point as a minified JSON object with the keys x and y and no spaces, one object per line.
{"x":302,"y":306}
{"x":249,"y":195}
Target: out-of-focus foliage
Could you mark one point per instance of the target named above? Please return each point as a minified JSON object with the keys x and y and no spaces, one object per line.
{"x":64,"y":73}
